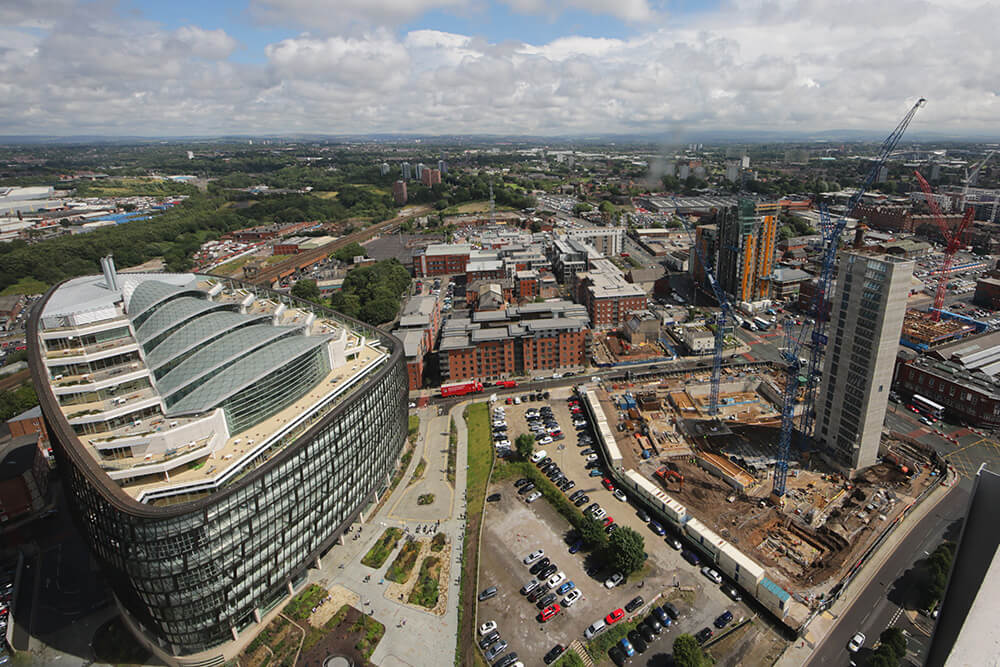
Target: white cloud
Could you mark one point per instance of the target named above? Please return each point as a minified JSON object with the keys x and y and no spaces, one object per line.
{"x":341,"y":15}
{"x":794,"y":65}
{"x":626,"y":10}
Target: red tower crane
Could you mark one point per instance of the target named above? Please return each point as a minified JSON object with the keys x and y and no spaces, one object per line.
{"x":952,"y":238}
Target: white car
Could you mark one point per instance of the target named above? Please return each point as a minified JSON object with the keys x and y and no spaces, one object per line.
{"x":620,"y":495}
{"x":533,"y":496}
{"x":857,"y":641}
{"x":712,"y":574}
{"x":547,"y":440}
{"x":579,"y":422}
{"x":533,"y":556}
{"x":613,"y":580}
{"x":517,"y":400}
{"x":599,"y":513}
{"x":555,"y":579}
{"x":487,"y":627}
{"x":503,"y":443}
{"x":591,"y":457}
{"x":571,"y":597}
{"x":538,"y":456}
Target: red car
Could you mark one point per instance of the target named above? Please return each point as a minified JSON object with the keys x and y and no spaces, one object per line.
{"x":608,"y":521}
{"x":550,"y":612}
{"x":607,"y":484}
{"x":615,"y":616}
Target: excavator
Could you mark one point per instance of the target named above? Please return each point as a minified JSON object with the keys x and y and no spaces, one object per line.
{"x":666,"y":475}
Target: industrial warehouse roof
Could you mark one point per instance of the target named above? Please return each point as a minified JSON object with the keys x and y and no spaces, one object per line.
{"x":197,"y":333}
{"x":219,"y":354}
{"x":246,"y":372}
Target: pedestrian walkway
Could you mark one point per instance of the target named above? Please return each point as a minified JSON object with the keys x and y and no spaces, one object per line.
{"x":433,"y":448}
{"x":413,"y":635}
{"x":799,"y":652}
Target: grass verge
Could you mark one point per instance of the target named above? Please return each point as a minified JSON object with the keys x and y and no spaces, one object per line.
{"x":570,"y":659}
{"x":418,"y":472}
{"x":425,"y":593}
{"x":414,"y":427}
{"x":452,"y":451}
{"x":480,"y":460}
{"x":599,"y":646}
{"x":401,"y":567}
{"x":376,"y":556}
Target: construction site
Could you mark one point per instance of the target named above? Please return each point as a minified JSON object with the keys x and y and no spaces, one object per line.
{"x":722,"y":470}
{"x":922,"y":332}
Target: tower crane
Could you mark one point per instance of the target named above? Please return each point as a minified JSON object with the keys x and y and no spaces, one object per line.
{"x":831,"y":242}
{"x":725,"y":312}
{"x":952,"y":240}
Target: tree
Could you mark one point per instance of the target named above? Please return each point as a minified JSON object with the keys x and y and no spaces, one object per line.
{"x":687,"y":653}
{"x":349,"y":252}
{"x":582,"y":208}
{"x":625,"y":551}
{"x":893,"y":640}
{"x":525,"y":445}
{"x":592,"y":532}
{"x":306,"y":289}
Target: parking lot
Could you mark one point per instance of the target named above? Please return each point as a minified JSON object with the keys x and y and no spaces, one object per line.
{"x":514,"y":528}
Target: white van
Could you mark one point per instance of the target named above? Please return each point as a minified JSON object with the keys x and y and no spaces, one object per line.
{"x":596,"y":628}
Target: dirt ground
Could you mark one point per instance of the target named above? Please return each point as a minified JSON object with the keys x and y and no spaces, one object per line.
{"x":340,"y":641}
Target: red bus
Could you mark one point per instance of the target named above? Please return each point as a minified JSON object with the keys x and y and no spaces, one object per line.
{"x":508,"y":384}
{"x":461,"y":388}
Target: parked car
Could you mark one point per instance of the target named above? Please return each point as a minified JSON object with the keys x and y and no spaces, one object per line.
{"x":546,"y":600}
{"x":657,"y":528}
{"x":548,"y":572}
{"x":723,"y":619}
{"x":620,"y":495}
{"x":572,"y":597}
{"x":526,"y":488}
{"x":690,"y":556}
{"x":673,"y":542}
{"x":661,"y":615}
{"x":495,"y":650}
{"x":549,"y":612}
{"x":509,"y":660}
{"x":530,"y":586}
{"x":617,"y":655}
{"x":638,"y":641}
{"x":534,"y":556}
{"x":704,"y":635}
{"x":566,"y":587}
{"x":857,"y":641}
{"x":535,"y":495}
{"x":653,"y":623}
{"x":556,"y":579}
{"x":671,"y":610}
{"x":489,"y":639}
{"x":582,"y":500}
{"x":521,"y":482}
{"x":553,"y":653}
{"x":539,"y":566}
{"x":711,"y":574}
{"x":627,"y":648}
{"x":488,"y":593}
{"x":614,"y":616}
{"x":596,"y":473}
{"x":732,"y":592}
{"x":634,"y":603}
{"x":487,"y":627}
{"x":594,"y":629}
{"x":613,"y":580}
{"x":493,"y":497}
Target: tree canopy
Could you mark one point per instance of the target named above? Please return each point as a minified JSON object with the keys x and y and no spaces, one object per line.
{"x":349,"y":252}
{"x":525,"y":445}
{"x":372,"y":292}
{"x":306,"y":289}
{"x":687,"y":653}
{"x":592,"y":532}
{"x":625,"y":551}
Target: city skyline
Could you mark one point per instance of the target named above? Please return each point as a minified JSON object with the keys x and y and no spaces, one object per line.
{"x":498,"y":67}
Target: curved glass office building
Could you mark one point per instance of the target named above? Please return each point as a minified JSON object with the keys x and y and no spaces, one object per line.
{"x":216,"y":439}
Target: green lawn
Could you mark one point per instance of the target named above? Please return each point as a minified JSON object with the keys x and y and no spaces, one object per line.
{"x":26,"y":285}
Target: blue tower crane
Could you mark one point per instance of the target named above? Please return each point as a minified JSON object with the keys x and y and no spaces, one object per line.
{"x":831,"y":241}
{"x":726,"y":312}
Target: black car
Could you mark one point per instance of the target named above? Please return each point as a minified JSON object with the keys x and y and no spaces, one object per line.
{"x":493,"y":497}
{"x":489,"y":639}
{"x":576,"y":494}
{"x":548,"y":466}
{"x":732,"y":592}
{"x":539,"y":566}
{"x":617,"y":655}
{"x":553,"y":653}
{"x":723,"y":619}
{"x":653,"y":624}
{"x":591,"y":507}
{"x":581,"y":500}
{"x":638,"y":642}
{"x":610,"y":528}
{"x":642,"y":515}
{"x":704,"y":635}
{"x":567,"y":485}
{"x":521,"y":482}
{"x":671,"y":610}
{"x":507,"y":660}
{"x":546,"y":600}
{"x":548,"y":572}
{"x":634,"y":603}
{"x":545,"y":461}
{"x":553,"y":472}
{"x":537,"y":593}
{"x":596,"y":463}
{"x":527,"y":487}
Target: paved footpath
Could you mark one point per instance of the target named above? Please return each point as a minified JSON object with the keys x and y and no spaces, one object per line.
{"x":426,"y":639}
{"x":799,"y":652}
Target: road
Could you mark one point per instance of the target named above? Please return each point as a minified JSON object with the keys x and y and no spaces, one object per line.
{"x":878,"y":605}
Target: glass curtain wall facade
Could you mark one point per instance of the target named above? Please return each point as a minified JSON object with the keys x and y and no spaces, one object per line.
{"x":193,"y":575}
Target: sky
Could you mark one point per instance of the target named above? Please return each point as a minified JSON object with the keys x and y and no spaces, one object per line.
{"x":667,"y":68}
